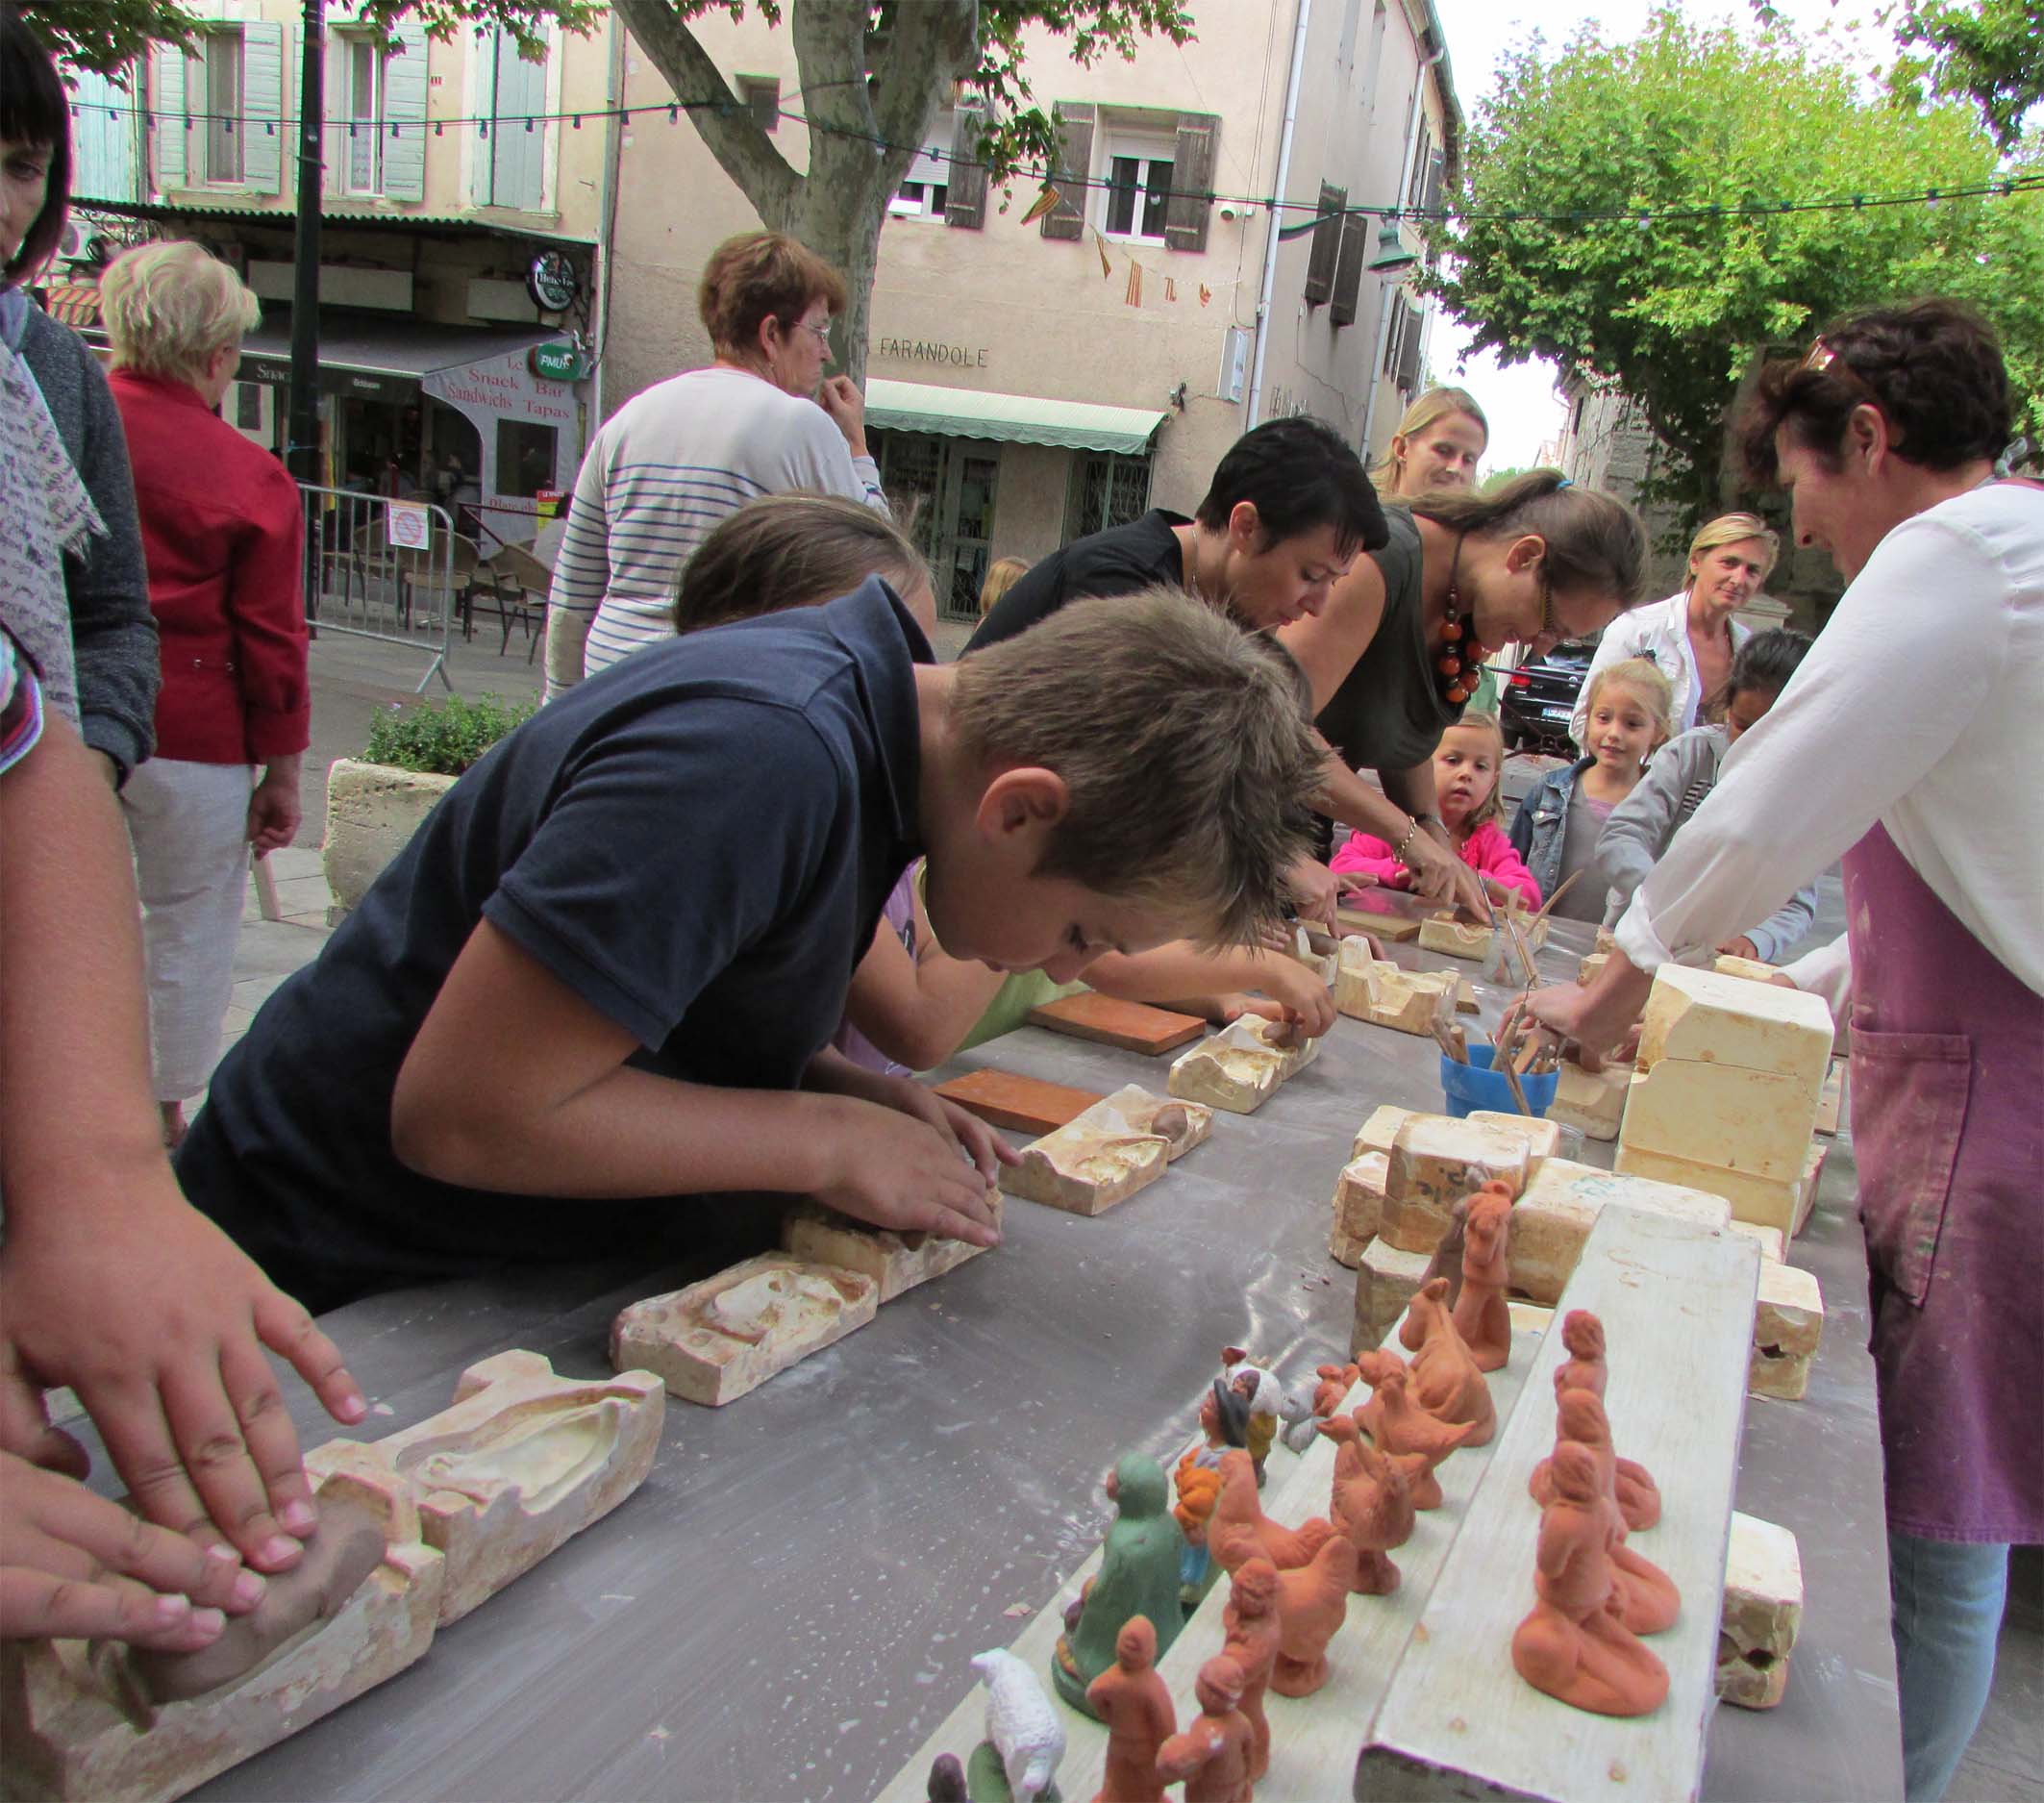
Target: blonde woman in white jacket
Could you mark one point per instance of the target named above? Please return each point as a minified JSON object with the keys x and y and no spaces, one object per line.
{"x":1692,"y":636}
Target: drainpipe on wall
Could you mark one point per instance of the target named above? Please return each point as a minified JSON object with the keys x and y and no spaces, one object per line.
{"x":1405,"y":186}
{"x":607,"y":218}
{"x":1276,"y":219}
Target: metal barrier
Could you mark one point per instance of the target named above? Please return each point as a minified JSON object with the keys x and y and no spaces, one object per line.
{"x":394,"y":571}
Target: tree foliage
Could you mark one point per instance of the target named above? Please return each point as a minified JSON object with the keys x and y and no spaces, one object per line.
{"x":874,"y":75}
{"x":1674,"y":309}
{"x":1990,"y":52}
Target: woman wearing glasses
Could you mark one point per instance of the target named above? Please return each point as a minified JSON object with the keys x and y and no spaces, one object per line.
{"x":1909,"y":743}
{"x":678,"y":459}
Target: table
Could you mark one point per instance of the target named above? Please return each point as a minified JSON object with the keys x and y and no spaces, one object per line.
{"x":785,"y":1608}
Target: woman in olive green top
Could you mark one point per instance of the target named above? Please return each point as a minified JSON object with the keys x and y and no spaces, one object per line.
{"x":1533,"y":563}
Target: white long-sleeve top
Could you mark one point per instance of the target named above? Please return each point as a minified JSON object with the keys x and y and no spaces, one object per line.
{"x":1918,"y":707}
{"x":667,"y":467}
{"x":1660,"y":633}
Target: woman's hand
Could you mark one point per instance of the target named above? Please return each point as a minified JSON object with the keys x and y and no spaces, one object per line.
{"x":274,"y":808}
{"x":1439,"y":874}
{"x":1741,"y":947}
{"x":76,"y":1566}
{"x":1315,"y":890}
{"x":840,"y":397}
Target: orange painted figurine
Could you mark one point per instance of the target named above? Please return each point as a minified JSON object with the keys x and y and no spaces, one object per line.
{"x":1372,"y":1506}
{"x":1646,"y":1597}
{"x":1135,"y":1704}
{"x":1411,"y":1435}
{"x":1482,"y":1316}
{"x":1252,"y":1635}
{"x":1585,"y":1368}
{"x":1445,"y":1380}
{"x":1240,"y":1529}
{"x":1573,"y":1645}
{"x":1213,"y":1755}
{"x":1311,"y":1604}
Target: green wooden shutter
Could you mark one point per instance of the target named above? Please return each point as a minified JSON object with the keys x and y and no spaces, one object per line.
{"x":1327,"y":242}
{"x":405,"y":125}
{"x":513,"y":172}
{"x":166,"y":84}
{"x":1349,"y":245}
{"x":965,"y":176}
{"x":262,"y":107}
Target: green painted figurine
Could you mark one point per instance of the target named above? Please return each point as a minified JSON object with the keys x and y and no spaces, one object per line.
{"x":1138,"y":1575}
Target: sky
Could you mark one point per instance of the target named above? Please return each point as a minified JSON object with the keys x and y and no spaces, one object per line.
{"x":1520,"y":401}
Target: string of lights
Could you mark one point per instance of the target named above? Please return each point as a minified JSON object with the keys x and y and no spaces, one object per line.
{"x":1996,"y":187}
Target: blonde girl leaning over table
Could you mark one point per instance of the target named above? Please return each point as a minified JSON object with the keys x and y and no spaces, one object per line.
{"x":1466,"y":766}
{"x":1561,"y":820}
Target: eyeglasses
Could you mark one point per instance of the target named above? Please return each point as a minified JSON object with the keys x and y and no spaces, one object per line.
{"x":822,"y":332}
{"x":1826,"y":358}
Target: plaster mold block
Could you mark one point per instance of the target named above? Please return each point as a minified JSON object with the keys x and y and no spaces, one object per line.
{"x":1552,"y":1222}
{"x":1375,"y":1134}
{"x":1089,"y":1167}
{"x":1767,"y":1200}
{"x":1697,"y":1017}
{"x":1749,"y":1121}
{"x":77,"y":1719}
{"x":1182,"y":1125}
{"x":1388,"y":995}
{"x":1542,"y":1137}
{"x":897,"y":1262}
{"x":1435,"y":1163}
{"x":1762,"y":1613}
{"x":1831,"y":1099}
{"x":1358,"y":1197}
{"x":522,"y":1462}
{"x":1788,"y":1326}
{"x":1238,"y":1068}
{"x":718,"y":1339}
{"x":1591,"y":1101}
{"x":1386,"y":1280}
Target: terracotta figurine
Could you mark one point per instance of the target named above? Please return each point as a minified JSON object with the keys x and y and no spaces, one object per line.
{"x":1573,"y":1645}
{"x":1213,"y":1755}
{"x":1240,"y":1530}
{"x":1311,"y":1604}
{"x":1336,"y":1383}
{"x":1410,"y":1434}
{"x":1024,"y":1737}
{"x":1372,"y":1505}
{"x":1446,"y":1259}
{"x":947,"y":1780}
{"x":1585,"y":1368}
{"x":1138,"y":1575}
{"x":1482,"y":1317}
{"x":1646,"y":1596}
{"x":1445,"y":1380}
{"x":1252,"y":1635}
{"x":1135,"y":1704}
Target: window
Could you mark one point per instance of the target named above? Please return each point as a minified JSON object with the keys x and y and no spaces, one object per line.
{"x":762,"y":95}
{"x":1137,"y":189}
{"x":214,"y":80}
{"x":925,"y":188}
{"x":1107,"y":490}
{"x":363,"y":107}
{"x":525,"y":457}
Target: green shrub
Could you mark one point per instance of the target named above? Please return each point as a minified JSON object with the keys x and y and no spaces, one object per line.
{"x":443,"y":737}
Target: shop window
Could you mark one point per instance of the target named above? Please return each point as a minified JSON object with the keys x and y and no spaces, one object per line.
{"x":248,"y":406}
{"x":1107,"y":490}
{"x":525,"y":457}
{"x":214,"y":77}
{"x":1137,"y":188}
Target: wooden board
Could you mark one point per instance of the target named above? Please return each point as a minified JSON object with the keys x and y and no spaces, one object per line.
{"x":1458,"y":1721}
{"x":1390,"y":928}
{"x":1027,"y":1104}
{"x":1361,"y":1656}
{"x":1133,"y":1026}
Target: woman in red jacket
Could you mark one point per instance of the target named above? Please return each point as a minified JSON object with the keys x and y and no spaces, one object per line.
{"x":223,"y":534}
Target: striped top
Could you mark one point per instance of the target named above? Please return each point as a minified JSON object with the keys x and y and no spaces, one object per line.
{"x":663,"y":471}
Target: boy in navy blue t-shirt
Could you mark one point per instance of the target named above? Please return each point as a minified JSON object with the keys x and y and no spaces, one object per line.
{"x":598,"y":987}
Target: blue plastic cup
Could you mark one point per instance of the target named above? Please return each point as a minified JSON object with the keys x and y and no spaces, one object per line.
{"x":1475,"y":1084}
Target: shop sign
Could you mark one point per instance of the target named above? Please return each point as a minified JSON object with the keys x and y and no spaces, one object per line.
{"x":930,"y":351}
{"x":551,"y":282}
{"x":557,"y":362}
{"x":408,"y":525}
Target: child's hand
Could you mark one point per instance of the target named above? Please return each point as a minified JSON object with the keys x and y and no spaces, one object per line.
{"x":1299,"y":996}
{"x":161,"y":1332}
{"x":896,"y":1168}
{"x":76,"y":1565}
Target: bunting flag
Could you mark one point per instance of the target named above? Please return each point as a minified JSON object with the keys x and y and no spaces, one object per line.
{"x":1134,"y":297}
{"x":1047,"y":198}
{"x":1107,"y":267}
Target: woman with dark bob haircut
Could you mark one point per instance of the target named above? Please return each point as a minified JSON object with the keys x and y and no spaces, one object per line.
{"x":1909,"y":743}
{"x":98,"y":659}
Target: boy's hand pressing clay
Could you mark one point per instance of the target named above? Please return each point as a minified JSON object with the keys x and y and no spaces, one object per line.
{"x":159,"y":1322}
{"x":899,"y":1171}
{"x":75,"y":1565}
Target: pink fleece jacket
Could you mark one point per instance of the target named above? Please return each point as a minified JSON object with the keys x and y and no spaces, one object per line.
{"x":1485,"y":851}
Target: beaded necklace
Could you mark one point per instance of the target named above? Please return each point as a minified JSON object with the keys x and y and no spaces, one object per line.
{"x":1462,"y":651}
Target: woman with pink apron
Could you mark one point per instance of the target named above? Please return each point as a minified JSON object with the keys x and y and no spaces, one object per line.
{"x":1909,"y":744}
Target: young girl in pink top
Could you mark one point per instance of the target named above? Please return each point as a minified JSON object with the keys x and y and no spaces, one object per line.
{"x":1466,"y":764}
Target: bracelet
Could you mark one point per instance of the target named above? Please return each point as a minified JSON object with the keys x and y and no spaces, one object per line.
{"x":1405,"y":844}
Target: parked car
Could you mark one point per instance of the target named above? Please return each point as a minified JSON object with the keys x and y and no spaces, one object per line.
{"x":1536,"y":700}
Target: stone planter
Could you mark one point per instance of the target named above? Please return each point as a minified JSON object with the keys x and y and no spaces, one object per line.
{"x":372,"y":811}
